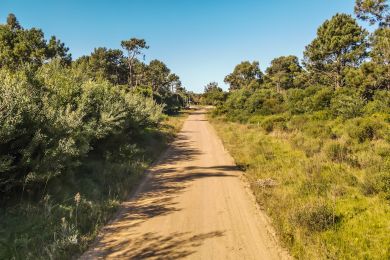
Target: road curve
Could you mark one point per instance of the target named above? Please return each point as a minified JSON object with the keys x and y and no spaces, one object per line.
{"x":194,"y":204}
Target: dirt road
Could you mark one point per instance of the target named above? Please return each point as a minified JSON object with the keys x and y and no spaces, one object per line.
{"x":193,"y":204}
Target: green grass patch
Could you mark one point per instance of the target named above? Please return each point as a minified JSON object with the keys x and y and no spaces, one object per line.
{"x":329,"y":197}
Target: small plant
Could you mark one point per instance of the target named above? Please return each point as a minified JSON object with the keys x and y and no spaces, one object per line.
{"x":337,"y":151}
{"x":364,"y":129}
{"x":77,"y":199}
{"x":375,"y":183}
{"x":271,"y":122}
{"x":317,"y":216}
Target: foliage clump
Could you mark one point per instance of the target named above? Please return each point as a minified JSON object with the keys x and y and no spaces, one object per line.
{"x":75,"y":137}
{"x":321,"y":130}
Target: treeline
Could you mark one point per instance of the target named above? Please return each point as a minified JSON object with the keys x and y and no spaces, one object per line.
{"x":84,"y":127}
{"x":345,"y":73}
{"x":315,"y":142}
{"x":54,"y":110}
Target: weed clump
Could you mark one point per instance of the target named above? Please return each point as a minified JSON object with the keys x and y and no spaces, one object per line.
{"x":316,"y":216}
{"x":337,"y":151}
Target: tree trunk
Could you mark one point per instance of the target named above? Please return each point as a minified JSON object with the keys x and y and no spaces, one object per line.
{"x":130,"y":74}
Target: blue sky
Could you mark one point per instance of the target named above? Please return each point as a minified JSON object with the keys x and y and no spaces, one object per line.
{"x":199,"y":40}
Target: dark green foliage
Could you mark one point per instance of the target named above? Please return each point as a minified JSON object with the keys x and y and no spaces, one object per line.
{"x":284,"y":73}
{"x":347,"y":104}
{"x":340,"y":43}
{"x":19,"y":46}
{"x":373,"y":11}
{"x":362,"y":129}
{"x":310,"y":99}
{"x":234,"y":107}
{"x":74,"y":138}
{"x":274,"y":121}
{"x":213,"y":95}
{"x":323,"y":134}
{"x":380,"y":103}
{"x":264,"y":102}
{"x":380,"y":52}
{"x":53,"y":128}
{"x":245,"y":74}
{"x":134,"y":48}
{"x":13,"y":22}
{"x":154,"y":80}
{"x":104,"y":64}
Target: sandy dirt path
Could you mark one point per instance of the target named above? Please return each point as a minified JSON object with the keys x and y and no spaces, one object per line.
{"x":193,"y":204}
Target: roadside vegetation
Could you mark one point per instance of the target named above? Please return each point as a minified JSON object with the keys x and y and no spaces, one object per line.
{"x":75,"y":137}
{"x":314,"y":137}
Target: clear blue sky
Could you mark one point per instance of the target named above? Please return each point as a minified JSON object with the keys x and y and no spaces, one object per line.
{"x":199,"y":40}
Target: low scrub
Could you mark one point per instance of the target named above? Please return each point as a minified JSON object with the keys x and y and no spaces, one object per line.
{"x":332,"y":194}
{"x":316,"y":216}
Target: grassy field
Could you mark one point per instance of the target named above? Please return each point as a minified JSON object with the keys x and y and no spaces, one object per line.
{"x":64,"y":222}
{"x":327,"y":195}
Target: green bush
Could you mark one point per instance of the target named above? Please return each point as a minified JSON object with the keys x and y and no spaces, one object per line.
{"x":375,"y":183}
{"x":235,"y":105}
{"x":294,"y":100}
{"x":310,"y":99}
{"x":272,"y":122}
{"x":50,"y":121}
{"x":264,"y":102}
{"x":347,"y":104}
{"x":316,"y":216}
{"x":362,"y":129}
{"x":319,"y":100}
{"x":255,"y":119}
{"x":379,"y":104}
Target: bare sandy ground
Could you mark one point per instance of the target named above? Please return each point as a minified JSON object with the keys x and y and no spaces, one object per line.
{"x":193,"y":204}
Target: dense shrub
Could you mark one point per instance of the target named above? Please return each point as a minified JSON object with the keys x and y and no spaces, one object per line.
{"x":294,"y":100}
{"x":379,"y":104}
{"x":264,"y":102}
{"x":362,"y":129}
{"x":274,"y":121}
{"x":375,"y":183}
{"x":234,"y":106}
{"x":51,"y":120}
{"x":319,"y":100}
{"x":308,"y":99}
{"x":329,"y":149}
{"x":347,"y":104}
